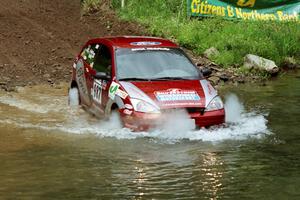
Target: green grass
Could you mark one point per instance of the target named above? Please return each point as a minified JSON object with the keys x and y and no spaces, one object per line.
{"x":234,"y":39}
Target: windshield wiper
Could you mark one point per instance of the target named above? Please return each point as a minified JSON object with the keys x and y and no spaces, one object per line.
{"x":134,"y":79}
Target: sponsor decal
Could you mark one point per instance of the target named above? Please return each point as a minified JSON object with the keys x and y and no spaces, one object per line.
{"x":113,"y":89}
{"x":150,"y":49}
{"x":121,"y":94}
{"x":128,"y":106}
{"x":261,"y":10}
{"x":127,"y":112}
{"x":177,"y":95}
{"x":145,"y":43}
{"x":96,"y":91}
{"x":80,"y":77}
{"x":81,"y":81}
{"x":178,"y":103}
{"x":209,"y":91}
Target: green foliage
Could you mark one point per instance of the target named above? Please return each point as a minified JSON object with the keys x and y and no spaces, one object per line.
{"x":253,"y":72}
{"x":234,"y":39}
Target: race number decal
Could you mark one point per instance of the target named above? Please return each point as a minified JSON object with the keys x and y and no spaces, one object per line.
{"x":97,"y":91}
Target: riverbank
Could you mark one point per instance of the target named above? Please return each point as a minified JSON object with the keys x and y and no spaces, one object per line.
{"x":46,"y":37}
{"x":40,"y":39}
{"x":231,"y":41}
{"x":232,"y":38}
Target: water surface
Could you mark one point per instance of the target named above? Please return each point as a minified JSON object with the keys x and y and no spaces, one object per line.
{"x":50,"y":151}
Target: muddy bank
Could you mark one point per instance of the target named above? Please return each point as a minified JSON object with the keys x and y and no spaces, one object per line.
{"x":39,"y":39}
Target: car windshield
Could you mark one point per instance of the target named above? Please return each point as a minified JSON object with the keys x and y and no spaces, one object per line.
{"x":154,"y":64}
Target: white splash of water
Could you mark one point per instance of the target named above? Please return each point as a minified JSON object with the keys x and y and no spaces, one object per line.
{"x":23,"y":104}
{"x":240,"y":124}
{"x":176,"y":121}
{"x":38,"y":103}
{"x":234,"y":108}
{"x":73,"y":97}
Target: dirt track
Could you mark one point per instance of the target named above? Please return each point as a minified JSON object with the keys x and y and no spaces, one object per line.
{"x":39,"y":38}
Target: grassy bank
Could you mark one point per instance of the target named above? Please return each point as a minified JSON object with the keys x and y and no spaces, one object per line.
{"x":234,"y":39}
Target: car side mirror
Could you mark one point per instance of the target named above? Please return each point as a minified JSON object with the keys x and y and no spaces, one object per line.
{"x":206,"y":72}
{"x":102,"y":75}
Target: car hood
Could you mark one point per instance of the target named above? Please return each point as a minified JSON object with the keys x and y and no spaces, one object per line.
{"x":172,"y":94}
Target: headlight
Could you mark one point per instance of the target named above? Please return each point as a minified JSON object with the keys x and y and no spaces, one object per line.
{"x":143,"y":106}
{"x":215,"y":104}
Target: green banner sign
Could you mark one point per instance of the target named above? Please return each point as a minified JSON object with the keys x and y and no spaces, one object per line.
{"x":281,"y":10}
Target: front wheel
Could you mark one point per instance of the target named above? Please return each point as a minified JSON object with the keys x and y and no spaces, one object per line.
{"x":73,"y":96}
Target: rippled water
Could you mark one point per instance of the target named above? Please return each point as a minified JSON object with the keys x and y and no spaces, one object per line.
{"x":51,"y":151}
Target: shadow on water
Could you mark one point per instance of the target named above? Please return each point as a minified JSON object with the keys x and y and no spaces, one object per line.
{"x":49,"y":151}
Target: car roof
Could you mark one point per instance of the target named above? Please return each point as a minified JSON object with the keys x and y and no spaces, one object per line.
{"x":136,"y":41}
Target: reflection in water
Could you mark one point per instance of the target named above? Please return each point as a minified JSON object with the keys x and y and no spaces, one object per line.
{"x":140,"y":180}
{"x":211,"y":166}
{"x":208,"y":175}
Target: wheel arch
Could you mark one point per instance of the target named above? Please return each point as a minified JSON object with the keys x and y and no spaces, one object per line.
{"x":113,"y":105}
{"x":74,"y":84}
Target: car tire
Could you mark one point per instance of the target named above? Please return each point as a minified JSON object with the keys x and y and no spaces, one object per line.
{"x":73,"y":99}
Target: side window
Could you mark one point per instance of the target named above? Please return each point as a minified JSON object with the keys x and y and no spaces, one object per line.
{"x":103,"y":60}
{"x":98,"y":57}
{"x":88,"y":54}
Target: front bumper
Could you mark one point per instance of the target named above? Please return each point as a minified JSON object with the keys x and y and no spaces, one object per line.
{"x":209,"y":118}
{"x":138,"y":121}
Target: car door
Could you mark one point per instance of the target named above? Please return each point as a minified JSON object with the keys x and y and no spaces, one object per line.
{"x":101,"y":64}
{"x":83,"y":62}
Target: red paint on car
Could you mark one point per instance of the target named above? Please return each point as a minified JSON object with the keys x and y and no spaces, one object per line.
{"x":141,"y":78}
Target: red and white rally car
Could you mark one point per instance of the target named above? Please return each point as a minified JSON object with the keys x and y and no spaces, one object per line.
{"x":142,"y":78}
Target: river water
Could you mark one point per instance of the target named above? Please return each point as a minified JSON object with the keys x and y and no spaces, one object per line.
{"x":51,"y":151}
